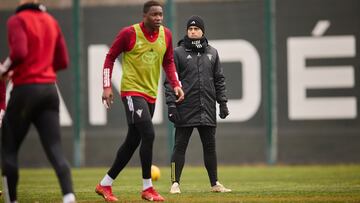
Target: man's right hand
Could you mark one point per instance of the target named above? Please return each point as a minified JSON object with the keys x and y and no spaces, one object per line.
{"x":107,"y":97}
{"x":4,"y":67}
{"x":6,"y":76}
{"x":4,"y":73}
{"x":2,"y":113}
{"x":173,"y":114}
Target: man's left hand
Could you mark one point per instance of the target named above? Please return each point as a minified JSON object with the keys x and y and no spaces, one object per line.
{"x":224,"y":111}
{"x":179,"y":94}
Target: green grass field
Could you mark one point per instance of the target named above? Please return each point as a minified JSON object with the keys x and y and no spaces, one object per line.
{"x":340,"y":183}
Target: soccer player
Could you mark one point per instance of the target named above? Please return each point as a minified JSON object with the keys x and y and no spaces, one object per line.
{"x":37,"y":51}
{"x":203,"y":82}
{"x":145,"y":47}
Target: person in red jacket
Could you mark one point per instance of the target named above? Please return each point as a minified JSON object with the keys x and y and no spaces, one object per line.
{"x":37,"y":51}
{"x":145,"y":47}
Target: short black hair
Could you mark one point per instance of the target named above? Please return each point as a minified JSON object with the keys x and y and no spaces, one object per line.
{"x":149,"y":4}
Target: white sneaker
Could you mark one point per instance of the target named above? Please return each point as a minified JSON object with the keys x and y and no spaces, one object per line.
{"x":219,"y":188}
{"x":175,"y":189}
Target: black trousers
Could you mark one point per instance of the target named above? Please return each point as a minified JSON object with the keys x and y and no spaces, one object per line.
{"x":182,"y":136}
{"x":140,"y":129}
{"x":37,"y":104}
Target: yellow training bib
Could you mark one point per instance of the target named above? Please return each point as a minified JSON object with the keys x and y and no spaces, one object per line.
{"x":142,"y":65}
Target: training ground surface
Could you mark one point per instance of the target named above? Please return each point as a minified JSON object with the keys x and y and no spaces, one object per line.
{"x":339,"y":183}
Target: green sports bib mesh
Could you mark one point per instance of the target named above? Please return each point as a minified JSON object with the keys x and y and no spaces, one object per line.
{"x":142,"y":65}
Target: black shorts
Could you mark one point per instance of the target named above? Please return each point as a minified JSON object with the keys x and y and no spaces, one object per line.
{"x":138,"y":109}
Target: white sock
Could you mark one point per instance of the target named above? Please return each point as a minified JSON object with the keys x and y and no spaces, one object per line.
{"x":69,"y":198}
{"x":6,"y":191}
{"x":147,"y":183}
{"x":106,"y":181}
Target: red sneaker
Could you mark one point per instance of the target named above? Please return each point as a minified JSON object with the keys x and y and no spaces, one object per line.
{"x":150,"y":194}
{"x":106,"y":192}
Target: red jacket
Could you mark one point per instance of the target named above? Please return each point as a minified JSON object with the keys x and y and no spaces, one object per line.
{"x":37,"y":46}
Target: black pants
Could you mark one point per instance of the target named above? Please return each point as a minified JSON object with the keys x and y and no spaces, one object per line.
{"x":140,"y":129}
{"x":182,"y":136}
{"x":37,"y":104}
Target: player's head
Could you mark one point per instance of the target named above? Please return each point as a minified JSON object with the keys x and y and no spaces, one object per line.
{"x":153,"y":14}
{"x":195,"y":27}
{"x":28,"y":1}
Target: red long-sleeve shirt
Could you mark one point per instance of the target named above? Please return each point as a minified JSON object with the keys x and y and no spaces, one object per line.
{"x":37,"y":47}
{"x":125,"y":41}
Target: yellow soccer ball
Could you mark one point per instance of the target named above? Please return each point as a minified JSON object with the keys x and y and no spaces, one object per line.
{"x":155,"y":173}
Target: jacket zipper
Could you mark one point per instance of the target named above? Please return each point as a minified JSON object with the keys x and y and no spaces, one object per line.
{"x":200,"y":86}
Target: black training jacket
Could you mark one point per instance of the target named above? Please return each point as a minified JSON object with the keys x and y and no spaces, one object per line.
{"x":203,"y":83}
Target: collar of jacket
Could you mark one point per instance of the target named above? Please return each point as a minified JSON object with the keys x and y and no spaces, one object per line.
{"x":192,"y":45}
{"x":31,"y":6}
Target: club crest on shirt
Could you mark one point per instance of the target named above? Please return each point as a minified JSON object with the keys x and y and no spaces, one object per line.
{"x":139,"y":112}
{"x":150,"y":57}
{"x":210,"y":56}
